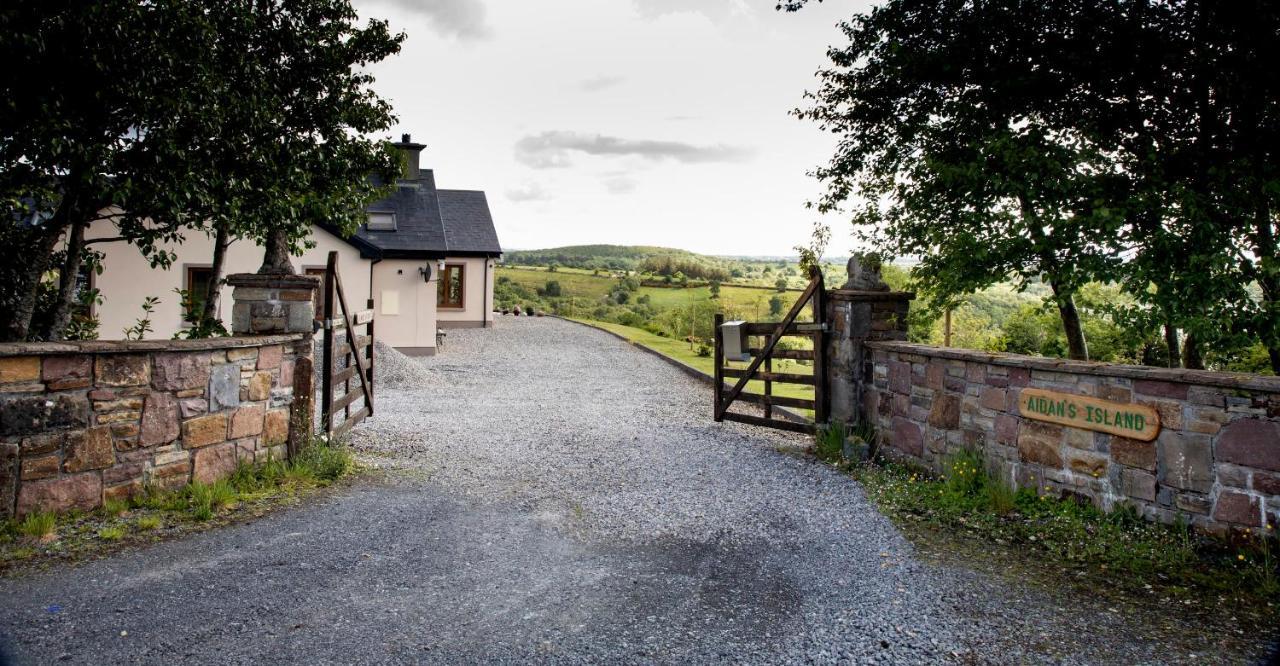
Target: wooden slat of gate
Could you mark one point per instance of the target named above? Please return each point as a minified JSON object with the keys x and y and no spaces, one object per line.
{"x":781,"y":401}
{"x":768,"y":423}
{"x":796,"y":354}
{"x":782,"y":377}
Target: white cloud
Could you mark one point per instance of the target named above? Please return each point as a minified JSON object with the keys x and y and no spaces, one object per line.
{"x":598,"y":83}
{"x":529,"y":191}
{"x":550,"y":150}
{"x":620,"y":185}
{"x":463,"y":19}
{"x":716,"y":10}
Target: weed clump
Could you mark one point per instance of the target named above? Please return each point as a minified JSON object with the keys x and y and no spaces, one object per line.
{"x":39,"y":525}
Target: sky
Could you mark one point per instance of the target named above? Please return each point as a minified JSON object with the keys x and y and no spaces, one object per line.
{"x":633,"y":122}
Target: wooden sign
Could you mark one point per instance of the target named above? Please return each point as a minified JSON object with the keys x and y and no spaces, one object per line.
{"x":1138,"y":422}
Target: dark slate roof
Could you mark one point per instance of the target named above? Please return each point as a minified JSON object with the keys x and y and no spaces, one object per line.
{"x":468,"y":227}
{"x":431,"y":223}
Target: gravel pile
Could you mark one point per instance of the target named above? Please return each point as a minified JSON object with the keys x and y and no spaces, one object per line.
{"x":392,"y":369}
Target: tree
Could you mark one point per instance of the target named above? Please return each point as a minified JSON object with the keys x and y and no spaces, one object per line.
{"x":92,"y":92}
{"x":111,"y":116}
{"x":1095,"y":140}
{"x":292,"y":147}
{"x":780,"y":284}
{"x":714,"y":288}
{"x":775,"y":306}
{"x":952,"y":140}
{"x":1198,"y":128}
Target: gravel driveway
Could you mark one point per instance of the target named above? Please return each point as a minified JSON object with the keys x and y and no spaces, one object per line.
{"x":556,"y":495}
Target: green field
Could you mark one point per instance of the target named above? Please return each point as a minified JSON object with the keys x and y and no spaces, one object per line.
{"x":583,"y":289}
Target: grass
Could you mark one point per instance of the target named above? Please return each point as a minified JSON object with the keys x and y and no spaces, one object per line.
{"x":1118,"y":545}
{"x":141,"y":518}
{"x":38,"y":525}
{"x":115,"y":508}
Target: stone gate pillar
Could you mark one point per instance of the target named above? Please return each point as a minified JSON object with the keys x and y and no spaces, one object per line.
{"x":267,"y":304}
{"x":862,"y":310}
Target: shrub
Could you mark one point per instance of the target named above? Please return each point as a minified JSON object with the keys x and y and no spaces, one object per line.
{"x":325,"y":462}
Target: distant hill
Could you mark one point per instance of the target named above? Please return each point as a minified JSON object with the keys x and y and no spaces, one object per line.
{"x":662,"y":261}
{"x":570,"y":252}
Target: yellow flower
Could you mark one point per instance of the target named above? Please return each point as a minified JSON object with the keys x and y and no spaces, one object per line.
{"x":1240,"y":557}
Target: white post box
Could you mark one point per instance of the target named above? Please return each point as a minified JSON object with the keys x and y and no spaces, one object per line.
{"x":733,"y":336}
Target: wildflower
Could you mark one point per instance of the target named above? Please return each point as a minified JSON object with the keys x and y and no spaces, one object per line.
{"x":1240,"y":557}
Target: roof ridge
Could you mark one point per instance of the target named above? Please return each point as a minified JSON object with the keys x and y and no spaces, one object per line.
{"x":444,"y":226}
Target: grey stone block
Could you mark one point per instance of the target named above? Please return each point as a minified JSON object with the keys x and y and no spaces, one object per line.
{"x":301,"y":314}
{"x":224,"y":387}
{"x":241,"y":319}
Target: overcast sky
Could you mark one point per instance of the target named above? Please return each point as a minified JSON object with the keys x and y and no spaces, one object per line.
{"x":654,"y":122}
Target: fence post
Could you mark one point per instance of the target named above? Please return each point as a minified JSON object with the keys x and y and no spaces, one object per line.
{"x":820,"y":389}
{"x":326,"y":367}
{"x":372,"y":339}
{"x":718,"y":373}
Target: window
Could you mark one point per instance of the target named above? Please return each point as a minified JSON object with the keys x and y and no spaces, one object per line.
{"x":197,"y":285}
{"x":449,"y":291}
{"x":382,"y":222}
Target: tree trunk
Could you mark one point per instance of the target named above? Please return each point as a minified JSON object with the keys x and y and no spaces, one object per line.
{"x":275,"y":257}
{"x":68,"y":276}
{"x":1269,"y":281}
{"x":16,"y":323}
{"x":1171,"y":343}
{"x":1077,"y":348}
{"x":1191,"y":358}
{"x":214,"y":288}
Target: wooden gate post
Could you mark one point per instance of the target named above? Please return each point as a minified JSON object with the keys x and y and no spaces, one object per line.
{"x":718,"y":377}
{"x":326,"y":376}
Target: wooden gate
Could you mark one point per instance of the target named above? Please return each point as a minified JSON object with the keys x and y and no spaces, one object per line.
{"x":342,"y":341}
{"x":764,"y":356}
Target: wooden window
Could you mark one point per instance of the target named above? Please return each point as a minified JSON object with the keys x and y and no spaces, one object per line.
{"x":449,"y":291}
{"x":317,"y":296}
{"x":197,"y":285}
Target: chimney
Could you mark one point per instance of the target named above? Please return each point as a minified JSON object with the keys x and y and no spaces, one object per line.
{"x":410,"y":153}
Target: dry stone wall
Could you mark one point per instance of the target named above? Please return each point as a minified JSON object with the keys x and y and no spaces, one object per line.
{"x":84,"y":422}
{"x":1215,"y":461}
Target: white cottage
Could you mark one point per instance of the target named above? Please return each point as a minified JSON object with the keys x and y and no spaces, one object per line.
{"x":417,"y":232}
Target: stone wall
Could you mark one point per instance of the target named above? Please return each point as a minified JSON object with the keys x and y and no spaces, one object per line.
{"x":85,"y":422}
{"x":1215,"y":462}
